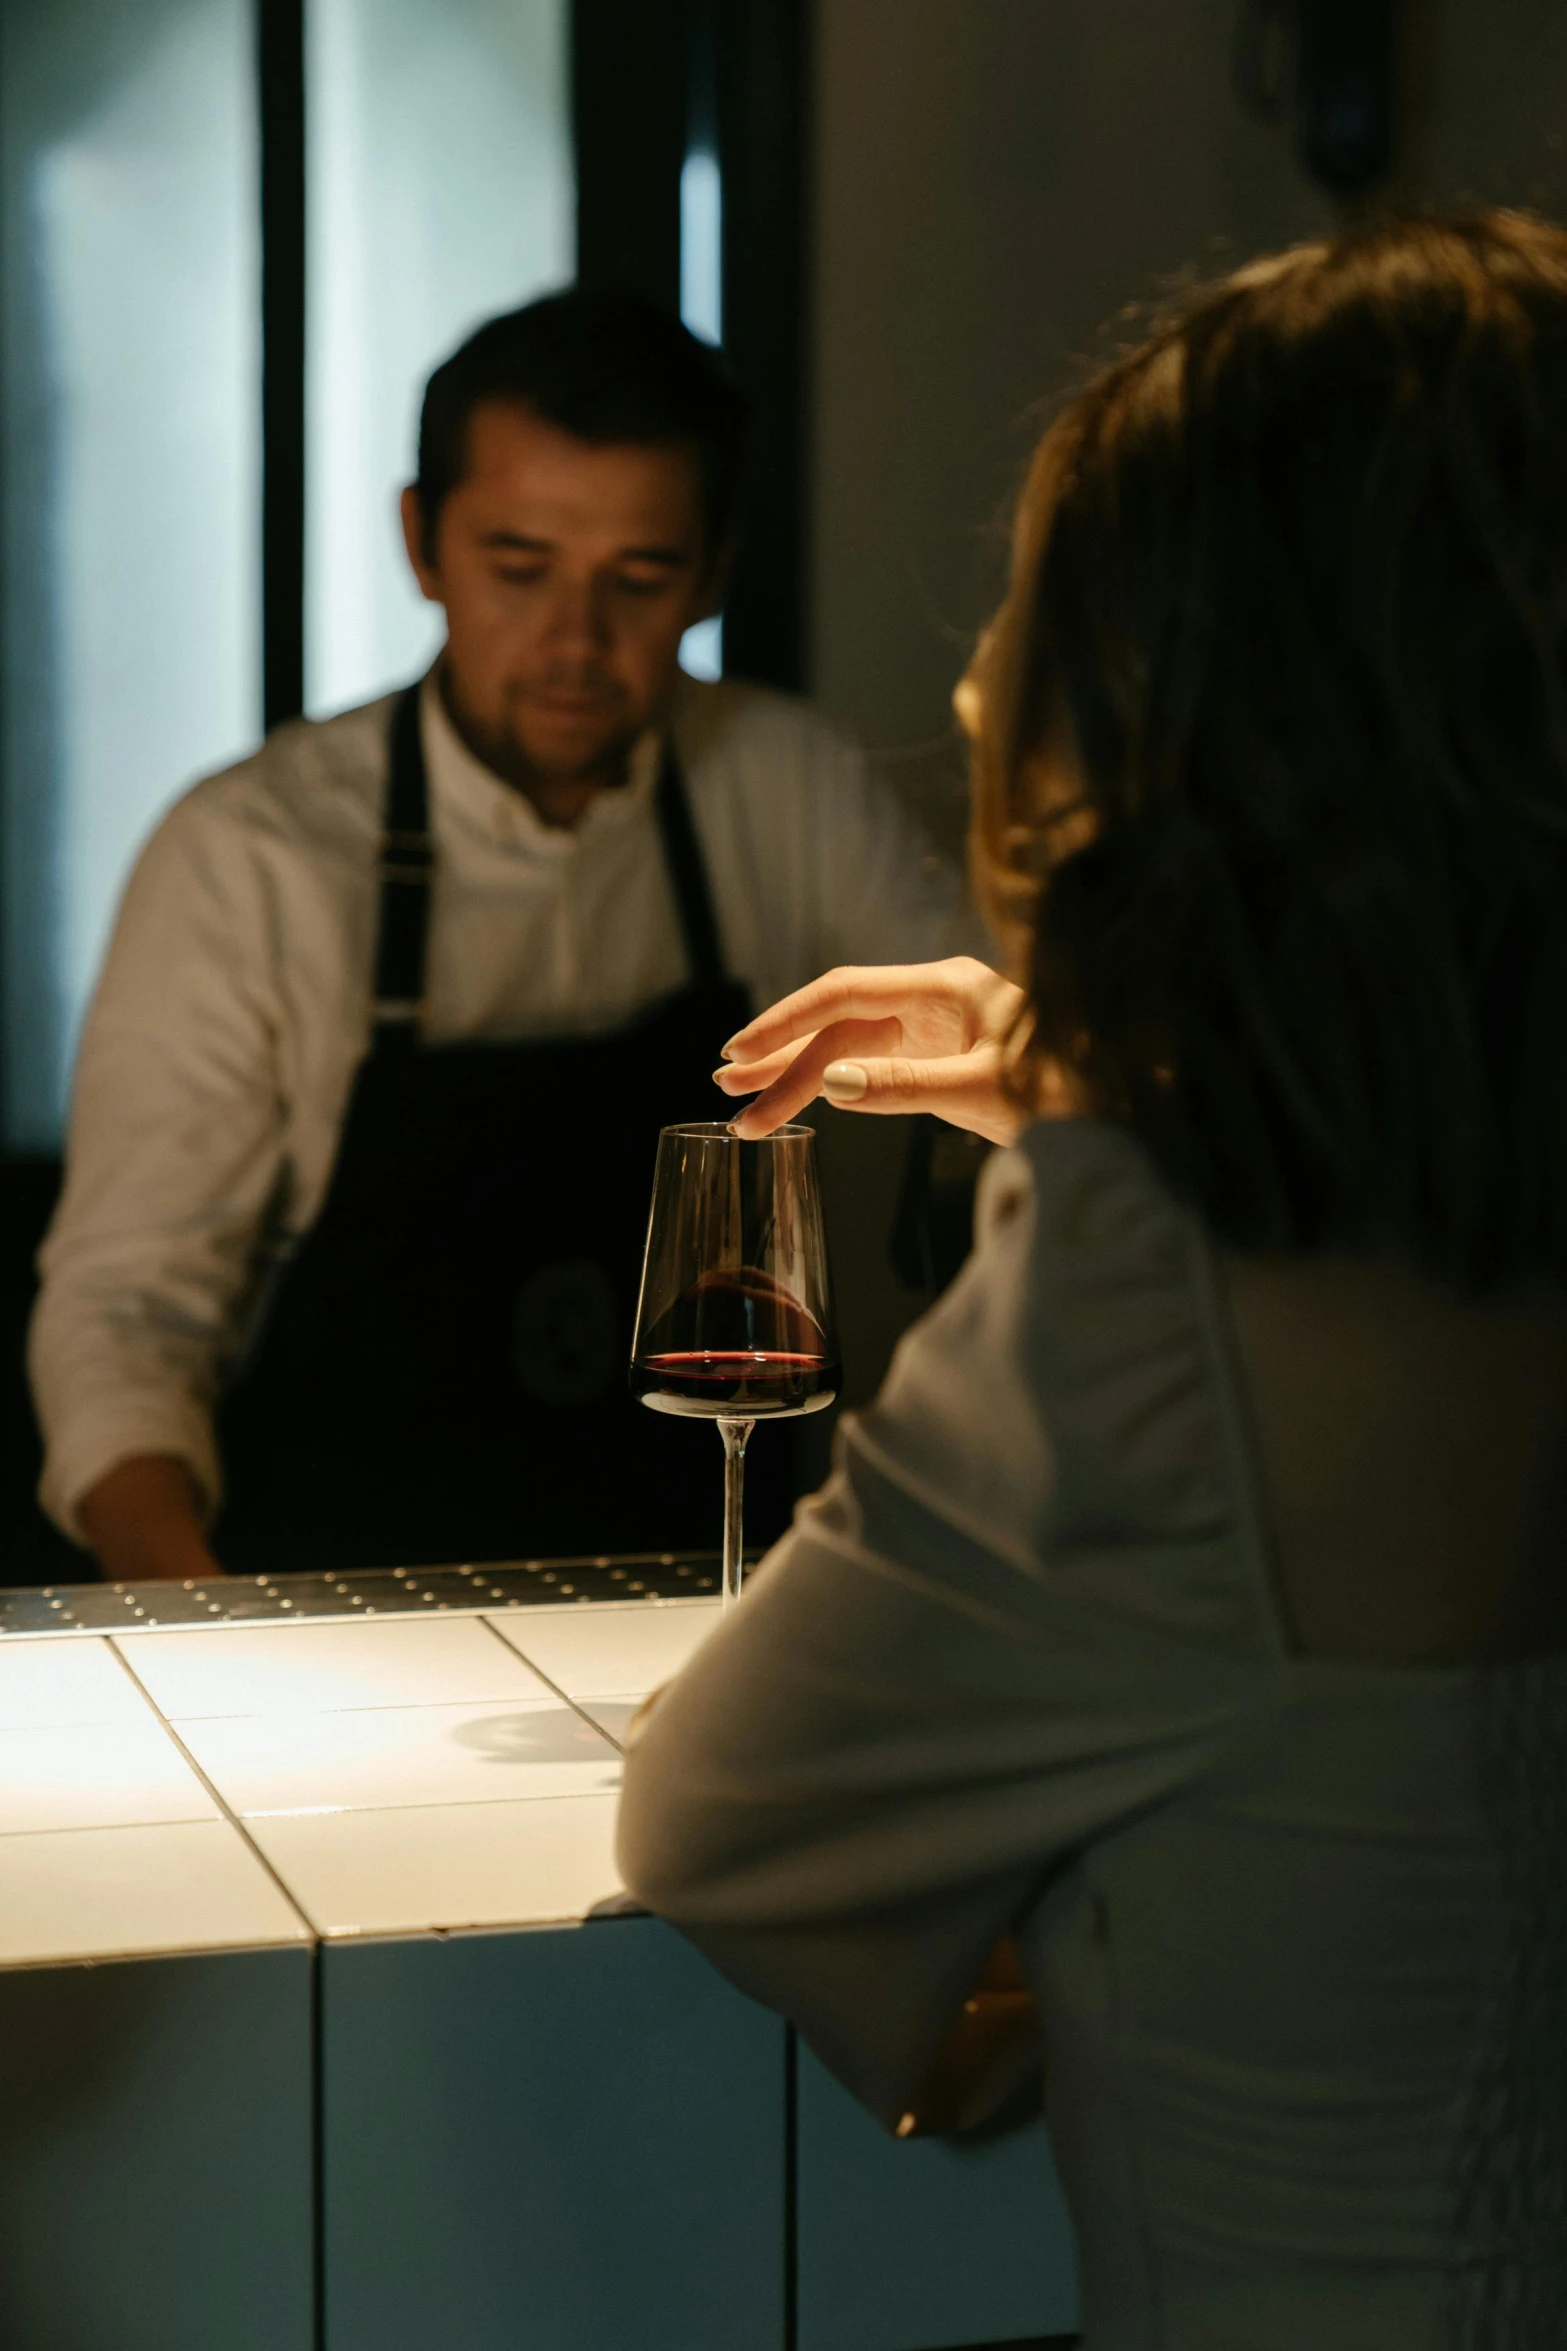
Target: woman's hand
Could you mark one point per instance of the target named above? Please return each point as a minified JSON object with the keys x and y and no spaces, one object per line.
{"x":883,"y":1037}
{"x":988,"y":2069}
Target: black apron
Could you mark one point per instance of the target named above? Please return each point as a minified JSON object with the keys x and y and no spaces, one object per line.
{"x":438,"y":1372}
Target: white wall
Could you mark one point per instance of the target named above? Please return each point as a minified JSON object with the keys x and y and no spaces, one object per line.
{"x":1487,"y":105}
{"x":996,"y":180}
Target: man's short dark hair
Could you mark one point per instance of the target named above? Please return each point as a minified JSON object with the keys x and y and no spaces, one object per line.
{"x":605,"y":367}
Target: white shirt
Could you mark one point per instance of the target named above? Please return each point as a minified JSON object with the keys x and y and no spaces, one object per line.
{"x":233,"y":1007}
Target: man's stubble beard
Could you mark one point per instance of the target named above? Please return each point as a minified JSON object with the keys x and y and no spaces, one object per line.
{"x":504,"y":751}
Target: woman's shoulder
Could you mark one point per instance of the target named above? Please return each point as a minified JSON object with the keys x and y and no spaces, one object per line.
{"x":1096,"y":1207}
{"x":1070,"y":1400}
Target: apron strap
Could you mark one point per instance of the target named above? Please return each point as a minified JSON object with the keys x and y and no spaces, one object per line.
{"x":407,"y":868}
{"x":407,"y":863}
{"x":688,"y":876}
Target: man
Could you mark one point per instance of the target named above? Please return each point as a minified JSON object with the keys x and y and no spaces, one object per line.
{"x":345,"y":1264}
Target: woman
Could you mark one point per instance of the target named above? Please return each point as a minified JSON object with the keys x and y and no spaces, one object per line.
{"x":1190,"y":1604}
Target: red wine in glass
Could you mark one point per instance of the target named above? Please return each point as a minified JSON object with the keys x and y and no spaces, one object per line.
{"x":735,"y":1344}
{"x":734,"y":1324}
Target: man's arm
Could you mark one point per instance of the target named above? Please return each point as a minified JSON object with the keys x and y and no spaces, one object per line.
{"x":144,"y":1522}
{"x":175,"y":1152}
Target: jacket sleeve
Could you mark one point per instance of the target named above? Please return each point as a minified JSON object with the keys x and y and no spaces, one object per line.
{"x":174,"y":1158}
{"x":1019,"y":1615}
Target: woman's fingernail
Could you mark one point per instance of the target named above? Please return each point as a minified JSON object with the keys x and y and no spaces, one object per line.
{"x":845,"y":1081}
{"x":720,"y":1074}
{"x":727,"y":1052}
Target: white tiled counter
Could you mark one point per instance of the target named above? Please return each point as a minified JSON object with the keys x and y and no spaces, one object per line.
{"x":309,"y":2042}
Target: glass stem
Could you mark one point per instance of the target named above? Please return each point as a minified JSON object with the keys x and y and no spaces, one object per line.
{"x":734,"y":1434}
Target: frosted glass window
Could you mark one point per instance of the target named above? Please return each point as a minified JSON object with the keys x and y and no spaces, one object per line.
{"x":131,"y":470}
{"x":440,"y":191}
{"x":702,"y":308}
{"x":701,"y":245}
{"x":702,"y":649}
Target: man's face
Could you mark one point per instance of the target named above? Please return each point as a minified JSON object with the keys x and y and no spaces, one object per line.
{"x":569,"y":574}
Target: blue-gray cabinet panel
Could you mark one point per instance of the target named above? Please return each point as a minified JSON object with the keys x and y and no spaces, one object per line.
{"x":155,"y":2155}
{"x":560,"y":2140}
{"x":911,"y":2245}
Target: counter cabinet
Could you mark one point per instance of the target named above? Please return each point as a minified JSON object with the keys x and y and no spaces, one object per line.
{"x":320,"y":2031}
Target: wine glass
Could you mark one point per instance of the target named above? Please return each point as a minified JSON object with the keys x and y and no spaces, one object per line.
{"x":734,"y":1322}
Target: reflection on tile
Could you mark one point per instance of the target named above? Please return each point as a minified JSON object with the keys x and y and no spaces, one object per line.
{"x":97,"y":1776}
{"x":610,"y":1652}
{"x":312,"y":1668}
{"x":108,"y":1893}
{"x":400,"y":1755}
{"x":450,"y":1865}
{"x":53,"y":1682}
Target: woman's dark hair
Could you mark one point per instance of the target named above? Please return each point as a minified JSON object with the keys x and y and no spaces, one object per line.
{"x":1271,"y":777}
{"x":605,"y":367}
